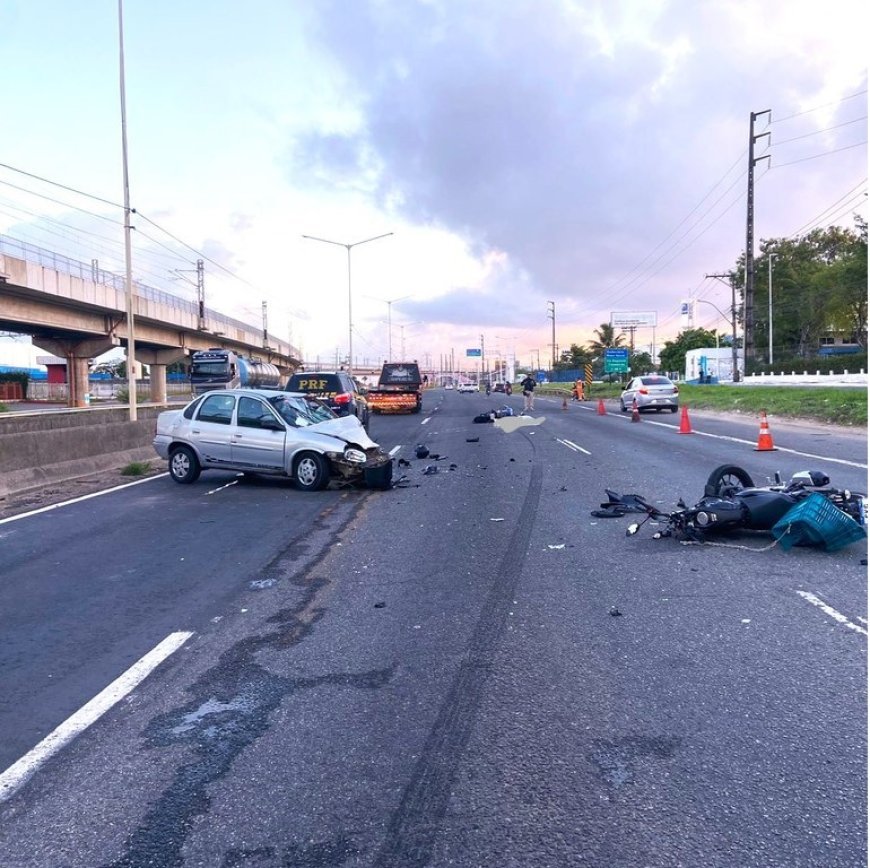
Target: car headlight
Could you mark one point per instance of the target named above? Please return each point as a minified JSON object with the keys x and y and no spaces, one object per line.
{"x":355,"y":456}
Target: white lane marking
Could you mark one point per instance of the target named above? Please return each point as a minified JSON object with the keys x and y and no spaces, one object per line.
{"x":425,"y":421}
{"x":222,"y":487}
{"x":394,"y":450}
{"x":831,"y":612}
{"x":574,"y":446}
{"x":20,"y":772}
{"x":862,"y":620}
{"x":80,"y":499}
{"x":812,"y":455}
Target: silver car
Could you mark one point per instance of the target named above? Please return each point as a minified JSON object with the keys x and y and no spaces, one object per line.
{"x":652,"y":392}
{"x":269,"y":432}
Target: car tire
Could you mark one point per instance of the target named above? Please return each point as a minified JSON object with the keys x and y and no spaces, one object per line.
{"x":622,"y":406}
{"x":184,"y":466}
{"x":674,"y":409}
{"x":311,"y":471}
{"x":727,"y":478}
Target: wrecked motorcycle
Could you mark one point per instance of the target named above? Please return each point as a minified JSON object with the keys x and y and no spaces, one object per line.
{"x":803,"y":511}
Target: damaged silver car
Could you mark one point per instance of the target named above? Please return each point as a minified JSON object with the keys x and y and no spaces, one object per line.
{"x":275,"y":433}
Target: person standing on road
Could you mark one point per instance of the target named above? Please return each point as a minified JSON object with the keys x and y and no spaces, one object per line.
{"x":579,"y":389}
{"x":529,"y":393}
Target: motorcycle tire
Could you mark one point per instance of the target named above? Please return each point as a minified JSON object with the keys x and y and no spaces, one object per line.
{"x":726,"y":479}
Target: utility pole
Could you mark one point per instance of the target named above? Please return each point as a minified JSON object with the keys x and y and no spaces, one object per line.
{"x":265,"y":329}
{"x":749,"y":296}
{"x":200,"y":292}
{"x":482,"y":359}
{"x":551,"y":313}
{"x":732,"y":280}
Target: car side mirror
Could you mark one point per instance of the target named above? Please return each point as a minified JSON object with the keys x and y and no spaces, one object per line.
{"x":270,"y":423}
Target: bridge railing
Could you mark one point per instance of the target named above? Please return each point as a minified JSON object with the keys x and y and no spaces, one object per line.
{"x":95,"y":274}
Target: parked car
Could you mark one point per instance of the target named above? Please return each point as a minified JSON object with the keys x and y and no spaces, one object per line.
{"x":652,"y":392}
{"x":498,"y":387}
{"x":337,"y":388}
{"x":269,"y":432}
{"x":467,"y":387}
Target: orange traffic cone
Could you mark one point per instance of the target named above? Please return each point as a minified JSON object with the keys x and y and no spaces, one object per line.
{"x":635,"y":413}
{"x":685,"y":425}
{"x":765,"y":441}
{"x":564,"y":403}
{"x":601,"y":410}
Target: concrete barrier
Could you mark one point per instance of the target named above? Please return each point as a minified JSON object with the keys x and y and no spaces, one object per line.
{"x":42,"y":448}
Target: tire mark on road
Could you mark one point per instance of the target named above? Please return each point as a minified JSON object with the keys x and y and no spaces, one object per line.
{"x":417,"y":819}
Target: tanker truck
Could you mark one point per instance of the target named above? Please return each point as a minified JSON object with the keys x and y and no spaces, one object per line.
{"x":223,"y":369}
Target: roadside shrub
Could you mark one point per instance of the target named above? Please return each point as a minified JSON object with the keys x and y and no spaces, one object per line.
{"x":136,"y":468}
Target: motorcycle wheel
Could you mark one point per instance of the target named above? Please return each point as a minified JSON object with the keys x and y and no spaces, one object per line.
{"x":726,"y":479}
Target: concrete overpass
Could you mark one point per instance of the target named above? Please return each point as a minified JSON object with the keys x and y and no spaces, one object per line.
{"x":78,"y":311}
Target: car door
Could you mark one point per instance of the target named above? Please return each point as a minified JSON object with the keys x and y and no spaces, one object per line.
{"x":630,"y":392}
{"x":258,"y":437}
{"x":212,"y":429}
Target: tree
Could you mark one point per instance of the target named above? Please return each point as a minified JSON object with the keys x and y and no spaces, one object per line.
{"x":575,"y":357}
{"x":607,"y":339}
{"x":673,"y":354}
{"x":640,"y":363}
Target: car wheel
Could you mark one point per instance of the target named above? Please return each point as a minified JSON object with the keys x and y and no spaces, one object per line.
{"x":311,"y":472}
{"x":622,"y":406}
{"x":674,"y":409}
{"x":725,"y":479}
{"x":184,"y":465}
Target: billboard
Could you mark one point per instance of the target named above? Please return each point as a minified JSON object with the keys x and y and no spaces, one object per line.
{"x":622,"y":319}
{"x":473,"y":353}
{"x":615,"y":360}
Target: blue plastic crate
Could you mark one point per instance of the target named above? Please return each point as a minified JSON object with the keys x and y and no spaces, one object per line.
{"x":815,"y":521}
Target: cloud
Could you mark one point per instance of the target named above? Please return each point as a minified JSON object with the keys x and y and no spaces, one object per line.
{"x":572,"y":137}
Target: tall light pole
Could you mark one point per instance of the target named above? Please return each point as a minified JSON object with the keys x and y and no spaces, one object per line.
{"x":732,"y":283}
{"x":348,"y":247}
{"x":389,"y":303}
{"x":128,"y":254}
{"x":770,"y":258}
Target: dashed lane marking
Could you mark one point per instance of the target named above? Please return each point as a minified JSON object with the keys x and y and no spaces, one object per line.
{"x":831,"y":612}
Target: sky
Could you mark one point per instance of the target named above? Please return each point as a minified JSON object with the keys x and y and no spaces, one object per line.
{"x":536,"y":163}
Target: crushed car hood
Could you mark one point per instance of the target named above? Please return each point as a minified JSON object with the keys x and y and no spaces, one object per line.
{"x":347,"y":428}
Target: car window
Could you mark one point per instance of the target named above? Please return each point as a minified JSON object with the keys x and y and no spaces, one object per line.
{"x":191,"y":408}
{"x":656,"y":381}
{"x":301,"y":411}
{"x":253,"y":413}
{"x":217,"y":408}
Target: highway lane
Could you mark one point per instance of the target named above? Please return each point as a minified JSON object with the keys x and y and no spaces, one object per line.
{"x":440,"y":676}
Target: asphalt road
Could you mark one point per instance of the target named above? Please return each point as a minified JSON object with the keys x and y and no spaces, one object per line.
{"x":436,"y":675}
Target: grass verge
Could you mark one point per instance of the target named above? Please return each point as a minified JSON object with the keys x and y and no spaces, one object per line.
{"x":835,"y":405}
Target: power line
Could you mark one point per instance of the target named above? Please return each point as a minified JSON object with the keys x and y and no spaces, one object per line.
{"x":818,"y":107}
{"x":821,"y":215}
{"x":59,"y":202}
{"x":62,"y":186}
{"x":776,"y":144}
{"x":822,"y":154}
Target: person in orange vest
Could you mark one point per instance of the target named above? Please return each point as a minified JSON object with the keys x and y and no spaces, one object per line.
{"x":579,"y":390}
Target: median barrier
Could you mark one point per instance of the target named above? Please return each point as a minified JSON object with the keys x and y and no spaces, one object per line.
{"x":44,"y":448}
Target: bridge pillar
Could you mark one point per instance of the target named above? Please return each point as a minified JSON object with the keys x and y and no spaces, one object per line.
{"x":77,"y":354}
{"x":157,"y":360}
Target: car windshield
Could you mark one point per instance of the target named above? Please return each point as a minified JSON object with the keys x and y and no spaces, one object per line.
{"x":656,"y":381}
{"x":300,"y":411}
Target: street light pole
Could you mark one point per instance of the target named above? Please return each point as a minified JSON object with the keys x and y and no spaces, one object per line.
{"x":128,"y":254}
{"x":702,"y":301}
{"x":348,"y":247}
{"x":721,"y":278}
{"x":770,"y":258}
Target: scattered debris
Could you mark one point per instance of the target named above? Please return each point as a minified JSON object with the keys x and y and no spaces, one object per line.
{"x":483,"y":418}
{"x":403,"y":462}
{"x":618,"y":505}
{"x":380,"y":605}
{"x":472,"y":439}
{"x":260,"y":584}
{"x":430,"y":470}
{"x":560,"y":546}
{"x":421,"y":451}
{"x":496,"y":519}
{"x":615,"y":612}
